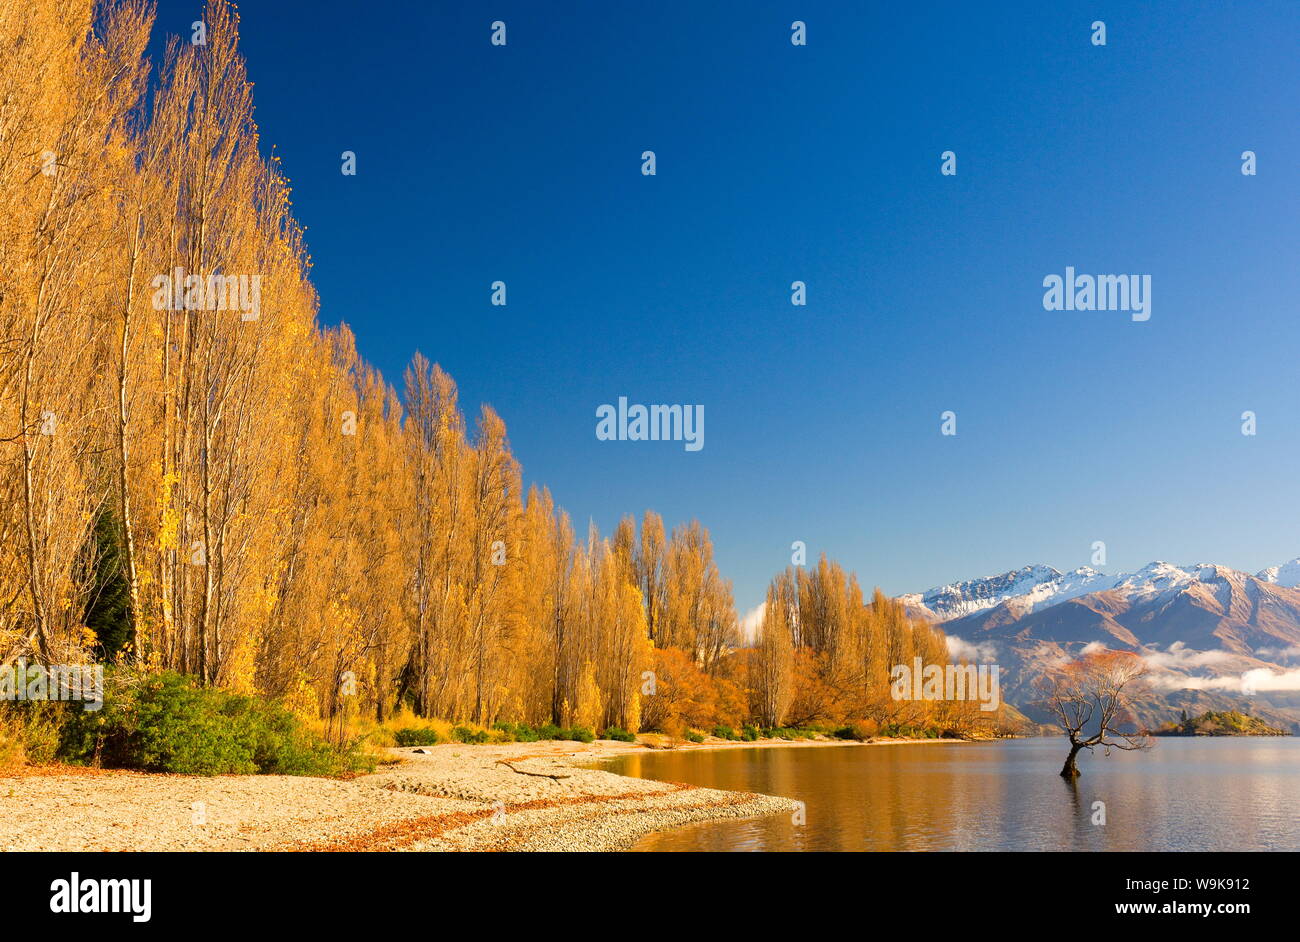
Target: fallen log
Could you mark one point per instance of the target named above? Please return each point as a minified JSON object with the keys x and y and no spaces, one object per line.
{"x":554,"y":778}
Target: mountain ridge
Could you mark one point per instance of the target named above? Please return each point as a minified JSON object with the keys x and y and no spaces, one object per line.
{"x":1229,"y":636}
{"x":1040,"y":585}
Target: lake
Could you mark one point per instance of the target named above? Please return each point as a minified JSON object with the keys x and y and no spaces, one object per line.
{"x":1185,"y":794}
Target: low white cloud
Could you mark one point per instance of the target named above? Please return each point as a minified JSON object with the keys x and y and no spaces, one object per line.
{"x":960,"y":650}
{"x":1180,"y":657}
{"x":1258,"y":680}
{"x":1261,"y":678}
{"x":1278,"y":654}
{"x":751,"y":621}
{"x":1167,"y":667}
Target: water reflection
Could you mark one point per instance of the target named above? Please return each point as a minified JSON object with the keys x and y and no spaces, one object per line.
{"x":1186,"y":794}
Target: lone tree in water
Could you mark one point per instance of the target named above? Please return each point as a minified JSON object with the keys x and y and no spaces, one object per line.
{"x":1090,"y":698}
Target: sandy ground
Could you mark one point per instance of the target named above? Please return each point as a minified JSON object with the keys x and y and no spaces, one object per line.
{"x":516,"y":796}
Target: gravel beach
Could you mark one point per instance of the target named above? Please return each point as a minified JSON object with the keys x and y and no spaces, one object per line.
{"x":516,"y":796}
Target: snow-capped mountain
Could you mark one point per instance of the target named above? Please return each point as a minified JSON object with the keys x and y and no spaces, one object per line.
{"x":1287,"y":574}
{"x":1210,"y":634}
{"x":1032,"y":588}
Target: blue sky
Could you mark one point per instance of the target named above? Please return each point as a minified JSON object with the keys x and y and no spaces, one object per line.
{"x":821,"y":163}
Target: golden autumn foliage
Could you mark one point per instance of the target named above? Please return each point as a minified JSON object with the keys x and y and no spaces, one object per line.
{"x":284,"y":521}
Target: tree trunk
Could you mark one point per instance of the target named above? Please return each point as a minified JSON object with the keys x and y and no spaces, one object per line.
{"x":123,"y":456}
{"x":29,"y":461}
{"x":1070,"y":770}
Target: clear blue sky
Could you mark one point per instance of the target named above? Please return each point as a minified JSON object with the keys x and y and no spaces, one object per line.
{"x":821,"y":163}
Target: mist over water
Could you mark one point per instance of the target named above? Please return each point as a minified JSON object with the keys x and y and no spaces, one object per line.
{"x":1194,"y":794}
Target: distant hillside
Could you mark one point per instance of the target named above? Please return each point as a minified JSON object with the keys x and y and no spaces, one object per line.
{"x":1215,"y":638}
{"x":1230,"y":723}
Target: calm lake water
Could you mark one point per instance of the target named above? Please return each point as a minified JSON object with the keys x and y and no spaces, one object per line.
{"x":1193,"y":794}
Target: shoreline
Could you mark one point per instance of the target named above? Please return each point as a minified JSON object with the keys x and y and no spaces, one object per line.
{"x":542,"y":796}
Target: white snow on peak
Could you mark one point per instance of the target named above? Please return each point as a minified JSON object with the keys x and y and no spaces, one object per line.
{"x":1075,"y":583}
{"x":1286,"y":575}
{"x":1161,"y":576}
{"x":1038,"y":587}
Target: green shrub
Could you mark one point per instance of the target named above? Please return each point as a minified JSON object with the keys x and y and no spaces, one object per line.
{"x":166,"y":723}
{"x":858,"y":730}
{"x":619,"y":734}
{"x":526,"y":733}
{"x":724,"y":732}
{"x":904,"y":731}
{"x":515,"y":732}
{"x":749,"y":733}
{"x":469,"y":736}
{"x":282,"y":746}
{"x":694,"y":735}
{"x":160,"y":723}
{"x":416,"y":736}
{"x":787,"y":732}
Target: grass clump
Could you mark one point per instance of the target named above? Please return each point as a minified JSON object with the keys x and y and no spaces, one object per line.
{"x":787,"y":732}
{"x":408,"y":730}
{"x":904,"y":731}
{"x":514,"y":732}
{"x":469,"y":735}
{"x":858,"y":730}
{"x":416,"y":736}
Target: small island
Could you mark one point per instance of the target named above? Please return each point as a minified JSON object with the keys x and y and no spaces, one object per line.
{"x":1214,"y":723}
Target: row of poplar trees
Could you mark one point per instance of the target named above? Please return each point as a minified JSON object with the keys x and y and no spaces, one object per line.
{"x":246,"y":500}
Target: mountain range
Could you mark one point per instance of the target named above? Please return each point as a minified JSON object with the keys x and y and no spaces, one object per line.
{"x":1214,"y":637}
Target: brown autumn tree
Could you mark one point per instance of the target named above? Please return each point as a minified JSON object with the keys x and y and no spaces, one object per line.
{"x":1090,"y":699}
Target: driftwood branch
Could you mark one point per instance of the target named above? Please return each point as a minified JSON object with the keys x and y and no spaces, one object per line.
{"x":554,"y":778}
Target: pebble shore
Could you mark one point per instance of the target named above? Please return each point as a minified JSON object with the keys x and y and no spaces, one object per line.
{"x":506,"y":797}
